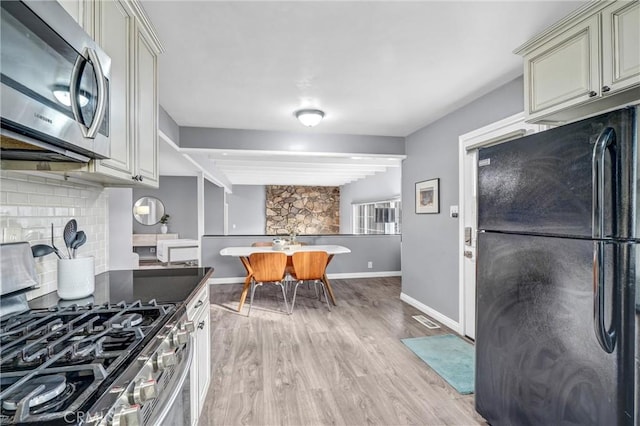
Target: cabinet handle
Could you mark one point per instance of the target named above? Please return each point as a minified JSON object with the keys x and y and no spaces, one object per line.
{"x":592,"y":94}
{"x":140,"y":178}
{"x":605,"y":89}
{"x":200,"y":303}
{"x":200,"y":325}
{"x":134,"y":177}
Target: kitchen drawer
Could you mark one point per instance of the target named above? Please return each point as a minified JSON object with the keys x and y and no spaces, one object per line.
{"x":199,"y":303}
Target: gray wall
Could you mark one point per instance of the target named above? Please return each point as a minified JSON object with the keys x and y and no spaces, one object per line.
{"x":179,"y":196}
{"x":247,"y":210}
{"x":168,"y":126}
{"x":213,"y":209}
{"x":382,"y":250}
{"x":381,"y":186}
{"x":430,"y":241}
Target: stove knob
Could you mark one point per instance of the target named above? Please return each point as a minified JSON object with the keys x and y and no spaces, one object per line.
{"x":144,"y":391}
{"x":180,"y":338}
{"x":127,"y":416}
{"x":166,"y":359}
{"x":189,"y":326}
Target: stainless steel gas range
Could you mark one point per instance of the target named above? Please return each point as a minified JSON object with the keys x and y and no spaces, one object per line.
{"x":99,"y":363}
{"x":91,"y":364}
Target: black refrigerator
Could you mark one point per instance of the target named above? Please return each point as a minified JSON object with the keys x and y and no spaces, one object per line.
{"x":557,"y":300}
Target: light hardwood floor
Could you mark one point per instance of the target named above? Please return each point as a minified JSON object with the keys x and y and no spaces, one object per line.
{"x":315,"y":367}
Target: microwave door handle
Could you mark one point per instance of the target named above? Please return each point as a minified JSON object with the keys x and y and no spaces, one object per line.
{"x":92,"y":130}
{"x":102,"y":94}
{"x":73,"y":92}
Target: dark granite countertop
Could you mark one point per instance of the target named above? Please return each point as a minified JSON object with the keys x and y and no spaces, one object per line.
{"x":165,"y":285}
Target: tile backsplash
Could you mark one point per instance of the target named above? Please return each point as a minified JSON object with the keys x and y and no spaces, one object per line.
{"x":30,"y":203}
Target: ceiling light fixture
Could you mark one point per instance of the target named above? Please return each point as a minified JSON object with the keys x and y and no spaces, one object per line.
{"x":310,"y":117}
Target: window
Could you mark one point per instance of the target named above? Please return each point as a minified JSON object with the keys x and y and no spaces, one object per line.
{"x":381,"y":217}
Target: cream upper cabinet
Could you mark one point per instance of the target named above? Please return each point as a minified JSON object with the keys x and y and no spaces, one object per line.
{"x":124,"y":33}
{"x":565,"y":70}
{"x":146,"y":109}
{"x":586,"y":64}
{"x":114,"y":28}
{"x":621,"y":46}
{"x":75,"y":8}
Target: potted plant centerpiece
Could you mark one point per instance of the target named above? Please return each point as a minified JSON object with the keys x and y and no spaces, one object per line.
{"x":164,"y":223}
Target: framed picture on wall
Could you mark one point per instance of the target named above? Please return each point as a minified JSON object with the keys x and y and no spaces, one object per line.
{"x":428,"y":196}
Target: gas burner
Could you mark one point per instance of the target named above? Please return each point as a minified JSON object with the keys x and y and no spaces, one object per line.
{"x":127,"y":321}
{"x":56,"y":403}
{"x":38,"y":391}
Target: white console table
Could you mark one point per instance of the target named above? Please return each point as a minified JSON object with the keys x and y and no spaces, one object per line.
{"x":150,"y":241}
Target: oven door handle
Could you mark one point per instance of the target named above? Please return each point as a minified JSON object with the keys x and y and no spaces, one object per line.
{"x":177,"y":390}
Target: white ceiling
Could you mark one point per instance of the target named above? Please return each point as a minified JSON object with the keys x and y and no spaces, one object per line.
{"x":374,"y":67}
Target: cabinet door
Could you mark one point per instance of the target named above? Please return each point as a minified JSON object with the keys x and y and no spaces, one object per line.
{"x":564,"y":71}
{"x":146,"y":101}
{"x":113,"y":28}
{"x":620,"y":46}
{"x":203,"y":346}
{"x":193,"y":381}
{"x":200,"y":367}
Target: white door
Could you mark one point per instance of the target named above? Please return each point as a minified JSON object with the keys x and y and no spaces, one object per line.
{"x":469,"y":143}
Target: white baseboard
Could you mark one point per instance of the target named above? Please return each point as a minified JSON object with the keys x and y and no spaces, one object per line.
{"x":347,"y":275}
{"x":454,"y":325}
{"x":338,"y":276}
{"x":231,"y":280}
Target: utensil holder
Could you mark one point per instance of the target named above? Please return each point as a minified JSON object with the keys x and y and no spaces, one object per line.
{"x":76,"y":278}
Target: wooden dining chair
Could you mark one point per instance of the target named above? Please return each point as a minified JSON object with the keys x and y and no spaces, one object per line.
{"x":268,"y":268}
{"x":309,"y":266}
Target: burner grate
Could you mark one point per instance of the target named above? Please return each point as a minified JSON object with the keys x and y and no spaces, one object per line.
{"x":88,"y":345}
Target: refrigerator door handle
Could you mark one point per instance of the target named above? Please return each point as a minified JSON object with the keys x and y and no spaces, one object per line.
{"x":606,"y":338}
{"x":605,"y":139}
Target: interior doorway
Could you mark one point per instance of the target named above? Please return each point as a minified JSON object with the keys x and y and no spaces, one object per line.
{"x":501,"y":131}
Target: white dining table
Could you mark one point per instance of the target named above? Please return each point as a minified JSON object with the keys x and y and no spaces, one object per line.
{"x":244,"y":252}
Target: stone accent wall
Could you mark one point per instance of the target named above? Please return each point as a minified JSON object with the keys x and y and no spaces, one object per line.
{"x":307,"y":210}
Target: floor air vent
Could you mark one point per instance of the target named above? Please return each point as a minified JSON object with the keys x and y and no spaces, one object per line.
{"x":425,"y":321}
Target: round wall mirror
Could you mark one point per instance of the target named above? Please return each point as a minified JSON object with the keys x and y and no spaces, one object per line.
{"x":148,"y":210}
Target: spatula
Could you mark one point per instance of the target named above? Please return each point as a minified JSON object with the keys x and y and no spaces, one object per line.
{"x":81,"y":238}
{"x":40,"y":250}
{"x":69,"y":234}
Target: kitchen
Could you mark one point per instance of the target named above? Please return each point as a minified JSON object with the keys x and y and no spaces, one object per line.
{"x":431,"y":149}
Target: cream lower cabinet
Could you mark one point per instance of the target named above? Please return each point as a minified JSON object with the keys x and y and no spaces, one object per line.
{"x":587,"y":63}
{"x":200,"y":374}
{"x":121,"y":32}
